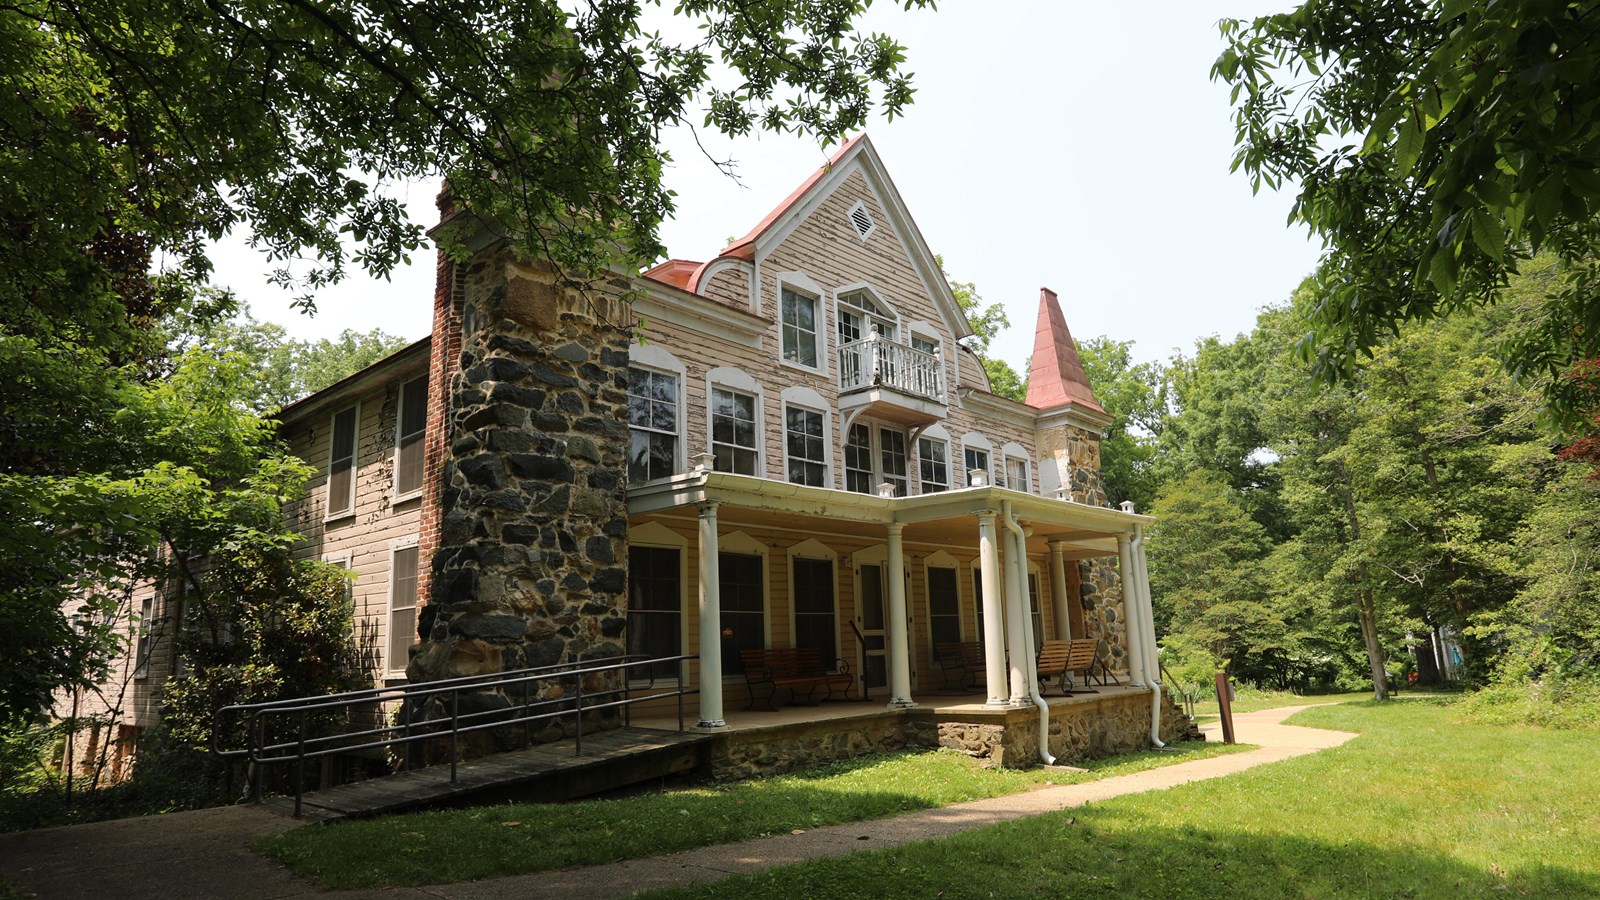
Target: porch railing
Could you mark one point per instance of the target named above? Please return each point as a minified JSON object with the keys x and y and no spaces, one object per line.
{"x":282,"y":732}
{"x":875,"y":361}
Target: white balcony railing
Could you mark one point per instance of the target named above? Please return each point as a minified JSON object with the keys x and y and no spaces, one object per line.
{"x":875,"y":361}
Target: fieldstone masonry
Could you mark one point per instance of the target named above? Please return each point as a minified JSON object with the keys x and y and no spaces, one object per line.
{"x":530,"y":569}
{"x":1076,"y":454}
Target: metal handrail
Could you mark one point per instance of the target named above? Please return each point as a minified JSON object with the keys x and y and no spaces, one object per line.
{"x":303,"y":746}
{"x":1187,"y":695}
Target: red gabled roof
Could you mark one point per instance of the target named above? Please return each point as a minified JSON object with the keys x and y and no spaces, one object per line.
{"x":745,"y":247}
{"x":676,"y":272}
{"x":1056,"y":377}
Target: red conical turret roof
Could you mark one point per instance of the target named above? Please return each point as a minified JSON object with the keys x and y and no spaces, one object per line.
{"x":1056,"y":376}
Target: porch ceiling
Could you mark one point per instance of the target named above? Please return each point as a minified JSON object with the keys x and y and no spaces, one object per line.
{"x":949,"y":518}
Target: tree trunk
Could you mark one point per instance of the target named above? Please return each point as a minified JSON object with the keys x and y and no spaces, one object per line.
{"x":1366,"y":612}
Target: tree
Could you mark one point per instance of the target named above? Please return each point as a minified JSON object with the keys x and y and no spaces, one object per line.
{"x":1437,"y":147}
{"x":986,"y":322}
{"x":137,"y":133}
{"x":1135,"y":395}
{"x":287,"y":369}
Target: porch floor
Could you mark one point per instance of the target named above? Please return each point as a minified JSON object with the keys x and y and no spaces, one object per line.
{"x":967,"y":707}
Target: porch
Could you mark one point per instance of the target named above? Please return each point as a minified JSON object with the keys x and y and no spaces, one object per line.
{"x":729,"y":564}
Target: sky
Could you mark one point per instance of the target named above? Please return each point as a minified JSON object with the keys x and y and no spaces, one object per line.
{"x":1079,"y":146}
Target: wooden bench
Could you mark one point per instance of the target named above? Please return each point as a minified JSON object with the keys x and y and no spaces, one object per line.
{"x":1058,"y":659}
{"x":794,"y":669}
{"x":963,"y":658}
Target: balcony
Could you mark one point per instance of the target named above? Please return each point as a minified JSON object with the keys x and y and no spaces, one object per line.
{"x":891,"y":381}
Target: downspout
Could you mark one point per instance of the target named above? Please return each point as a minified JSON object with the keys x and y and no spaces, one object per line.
{"x":1020,"y":567}
{"x":1152,"y":664}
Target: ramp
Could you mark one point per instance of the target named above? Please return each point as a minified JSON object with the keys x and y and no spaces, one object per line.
{"x":548,"y":772}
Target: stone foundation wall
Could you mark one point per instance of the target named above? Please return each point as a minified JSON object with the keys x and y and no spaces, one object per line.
{"x":1079,"y":731}
{"x":782,"y":749}
{"x":1008,"y":738}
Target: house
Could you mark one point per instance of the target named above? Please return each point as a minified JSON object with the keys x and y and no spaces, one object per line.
{"x":795,"y":449}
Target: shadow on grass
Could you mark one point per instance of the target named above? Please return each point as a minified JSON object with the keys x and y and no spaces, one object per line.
{"x":1105,"y":853}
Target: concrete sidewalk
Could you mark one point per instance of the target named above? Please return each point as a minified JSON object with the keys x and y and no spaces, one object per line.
{"x":205,"y":853}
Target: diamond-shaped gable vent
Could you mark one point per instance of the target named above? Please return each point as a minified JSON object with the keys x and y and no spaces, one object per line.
{"x":862,"y":220}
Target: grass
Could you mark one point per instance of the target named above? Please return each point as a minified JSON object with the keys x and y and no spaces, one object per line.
{"x":459,"y":845}
{"x":1421,"y":805}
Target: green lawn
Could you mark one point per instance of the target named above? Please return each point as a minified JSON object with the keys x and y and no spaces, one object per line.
{"x":459,"y":845}
{"x":1421,"y":805}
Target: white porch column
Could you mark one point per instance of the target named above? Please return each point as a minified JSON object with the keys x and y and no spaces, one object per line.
{"x":994,"y":648}
{"x":899,"y":647}
{"x":1130,"y":603}
{"x":1147,"y":616}
{"x":1017,"y":619}
{"x":710,"y":621}
{"x":1058,"y":591}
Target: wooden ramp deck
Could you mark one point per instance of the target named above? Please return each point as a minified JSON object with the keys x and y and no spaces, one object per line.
{"x":611,"y":759}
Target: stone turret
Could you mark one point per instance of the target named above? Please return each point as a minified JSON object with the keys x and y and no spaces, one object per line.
{"x":1071,"y":421}
{"x":532,"y":506}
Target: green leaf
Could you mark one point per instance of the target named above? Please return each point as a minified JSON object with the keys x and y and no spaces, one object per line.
{"x":1407,"y":147}
{"x":1488,"y":236}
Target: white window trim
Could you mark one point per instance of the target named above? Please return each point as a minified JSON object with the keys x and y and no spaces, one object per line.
{"x":742,"y":544}
{"x":892,"y":315}
{"x":355,"y":466}
{"x":395,"y":546}
{"x":394,"y":470}
{"x":811,"y":548}
{"x":875,"y":445}
{"x":653,"y":359}
{"x":1014,"y":452}
{"x":1046,"y":613}
{"x":809,"y":400}
{"x":144,"y":627}
{"x":800,"y":283}
{"x":949,"y":469}
{"x":973,"y":440}
{"x":739,"y":381}
{"x":654,"y":534}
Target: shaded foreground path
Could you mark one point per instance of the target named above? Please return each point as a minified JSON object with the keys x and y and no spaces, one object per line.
{"x":205,"y":853}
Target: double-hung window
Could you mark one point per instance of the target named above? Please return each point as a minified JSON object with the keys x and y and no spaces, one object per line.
{"x":652,"y":425}
{"x":933,"y":465}
{"x":858,"y":459}
{"x":733,"y":432}
{"x":342,"y":463}
{"x":144,"y":637}
{"x":799,"y":328}
{"x":1017,"y":474}
{"x":977,"y":459}
{"x":806,"y":443}
{"x":411,"y":424}
{"x":866,"y":467}
{"x":892,"y":454}
{"x":403,"y":560}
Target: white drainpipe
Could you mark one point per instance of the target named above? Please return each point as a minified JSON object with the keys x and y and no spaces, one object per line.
{"x":1141,"y":594}
{"x":1019,"y":564}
